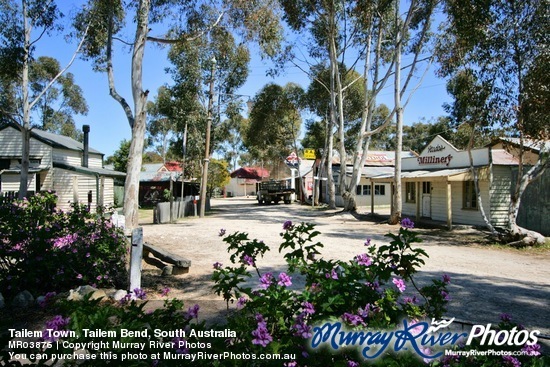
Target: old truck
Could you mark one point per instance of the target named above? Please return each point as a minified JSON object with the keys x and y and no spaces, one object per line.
{"x":273,"y":191}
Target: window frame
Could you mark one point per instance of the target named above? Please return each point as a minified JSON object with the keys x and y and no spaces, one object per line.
{"x":469,"y":196}
{"x":410,"y":188}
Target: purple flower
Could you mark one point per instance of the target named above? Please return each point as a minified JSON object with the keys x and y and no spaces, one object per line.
{"x":284,"y":280}
{"x":400,"y":284}
{"x":248,"y":260}
{"x":261,"y":334}
{"x":140,"y":293}
{"x":411,"y":300}
{"x":79,"y":276}
{"x":193,"y":312}
{"x":505,"y":317}
{"x":308,"y":308}
{"x":287,"y":225}
{"x":302,"y":329}
{"x":221,"y":233}
{"x":241,"y":302}
{"x":511,"y":361}
{"x":353,"y":319}
{"x":266,"y":280}
{"x":407,"y":223}
{"x":180,"y":345}
{"x":531,"y":350}
{"x":217,"y":265}
{"x":55,"y":324}
{"x":353,"y":363}
{"x":367,"y":242}
{"x":332,"y":275}
{"x":446,"y":279}
{"x":65,"y":241}
{"x":291,"y":364}
{"x":363,"y":259}
{"x":165,"y":291}
{"x":445,"y":296}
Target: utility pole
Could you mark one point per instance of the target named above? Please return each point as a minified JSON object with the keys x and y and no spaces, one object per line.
{"x":204,"y":181}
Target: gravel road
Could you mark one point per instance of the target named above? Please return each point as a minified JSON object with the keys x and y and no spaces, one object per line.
{"x":486,"y":281}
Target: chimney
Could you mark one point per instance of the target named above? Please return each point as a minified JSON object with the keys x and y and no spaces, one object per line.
{"x":86,"y":130}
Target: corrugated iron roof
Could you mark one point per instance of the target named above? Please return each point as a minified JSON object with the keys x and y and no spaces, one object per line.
{"x":256,"y":173}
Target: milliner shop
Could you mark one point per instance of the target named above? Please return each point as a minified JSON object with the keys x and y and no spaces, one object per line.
{"x":438,"y":184}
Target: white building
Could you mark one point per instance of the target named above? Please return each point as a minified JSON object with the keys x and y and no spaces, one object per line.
{"x":439,"y":185}
{"x":57,"y":163}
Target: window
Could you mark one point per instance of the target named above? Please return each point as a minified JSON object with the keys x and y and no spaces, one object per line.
{"x":410,"y":192}
{"x":363,"y":190}
{"x":469,"y":199}
{"x":380,"y":190}
{"x":366,"y":190}
{"x":426,"y":187}
{"x":5,"y":163}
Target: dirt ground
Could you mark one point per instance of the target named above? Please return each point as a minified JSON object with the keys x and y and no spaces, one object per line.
{"x":486,"y":280}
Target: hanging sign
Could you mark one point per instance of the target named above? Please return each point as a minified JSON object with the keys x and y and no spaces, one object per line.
{"x":292,"y":161}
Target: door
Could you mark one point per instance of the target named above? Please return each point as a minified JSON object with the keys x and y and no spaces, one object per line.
{"x":427,"y":199}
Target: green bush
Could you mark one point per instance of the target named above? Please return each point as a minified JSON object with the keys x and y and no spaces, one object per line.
{"x":275,"y":314}
{"x":43,"y":249}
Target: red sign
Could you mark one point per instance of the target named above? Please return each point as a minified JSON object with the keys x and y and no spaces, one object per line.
{"x":292,"y":160}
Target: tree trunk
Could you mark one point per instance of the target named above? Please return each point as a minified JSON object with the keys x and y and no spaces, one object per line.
{"x":396,"y":197}
{"x":350,"y":204}
{"x":26,"y":126}
{"x":131,"y":194}
{"x":523,"y":235}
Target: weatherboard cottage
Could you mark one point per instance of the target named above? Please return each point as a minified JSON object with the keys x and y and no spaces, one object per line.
{"x":58,"y":163}
{"x":438,"y":184}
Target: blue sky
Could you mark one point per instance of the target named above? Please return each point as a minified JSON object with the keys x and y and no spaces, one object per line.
{"x":109,"y":124}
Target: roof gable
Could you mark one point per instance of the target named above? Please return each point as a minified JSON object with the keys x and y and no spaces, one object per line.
{"x":54,"y":140}
{"x":437,"y":145}
{"x":256,"y":173}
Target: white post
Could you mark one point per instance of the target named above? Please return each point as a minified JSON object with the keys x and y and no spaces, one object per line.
{"x":293,"y":184}
{"x":136,"y":254}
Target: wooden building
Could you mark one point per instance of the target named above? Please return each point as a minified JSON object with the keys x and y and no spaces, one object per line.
{"x":439,"y":185}
{"x":58,"y":163}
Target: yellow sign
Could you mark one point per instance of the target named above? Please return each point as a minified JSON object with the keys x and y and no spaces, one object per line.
{"x":309,"y":153}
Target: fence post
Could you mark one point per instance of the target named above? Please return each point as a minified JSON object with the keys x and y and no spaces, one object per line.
{"x":136,"y":254}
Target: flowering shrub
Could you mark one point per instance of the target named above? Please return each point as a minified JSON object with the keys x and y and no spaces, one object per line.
{"x":165,"y":330}
{"x":39,"y":243}
{"x":375,"y":288}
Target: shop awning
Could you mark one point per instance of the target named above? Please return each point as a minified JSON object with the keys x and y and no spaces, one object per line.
{"x":454,"y":174}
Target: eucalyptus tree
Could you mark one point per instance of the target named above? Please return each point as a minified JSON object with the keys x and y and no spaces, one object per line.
{"x":149,"y":18}
{"x":191,"y":72}
{"x":62,"y":100}
{"x":274,"y":123}
{"x":160,"y":126}
{"x":371,"y":37}
{"x":500,"y":51}
{"x":24,"y":23}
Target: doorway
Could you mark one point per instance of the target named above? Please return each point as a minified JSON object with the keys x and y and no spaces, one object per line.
{"x":427,"y":199}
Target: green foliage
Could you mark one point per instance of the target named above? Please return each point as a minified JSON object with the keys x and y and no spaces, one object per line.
{"x":218,"y":175}
{"x":374,"y":291}
{"x":359,"y":292}
{"x":120,"y":157}
{"x":62,"y":100}
{"x":67,"y":248}
{"x":274,"y":122}
{"x":491,"y":51}
{"x":110,"y":317}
